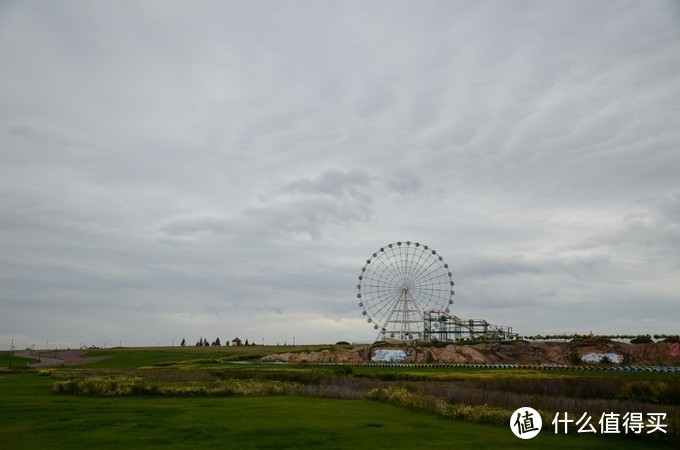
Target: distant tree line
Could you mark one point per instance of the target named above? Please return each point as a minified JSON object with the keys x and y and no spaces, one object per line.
{"x":634,"y":338}
{"x":203,"y":342}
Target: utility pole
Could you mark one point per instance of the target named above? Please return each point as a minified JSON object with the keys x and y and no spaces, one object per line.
{"x":11,"y":353}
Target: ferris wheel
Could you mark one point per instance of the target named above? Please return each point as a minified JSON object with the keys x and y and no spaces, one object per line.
{"x":398,"y":283}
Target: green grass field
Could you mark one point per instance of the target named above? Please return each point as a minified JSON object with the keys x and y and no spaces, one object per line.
{"x":16,"y":361}
{"x":34,"y":417}
{"x":310,"y":415}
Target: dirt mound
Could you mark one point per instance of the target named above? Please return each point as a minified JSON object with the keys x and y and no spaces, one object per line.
{"x":655,"y":354}
{"x":520,"y":352}
{"x":338,"y":355}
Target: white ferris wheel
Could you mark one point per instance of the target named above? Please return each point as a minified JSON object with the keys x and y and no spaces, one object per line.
{"x":398,"y":283}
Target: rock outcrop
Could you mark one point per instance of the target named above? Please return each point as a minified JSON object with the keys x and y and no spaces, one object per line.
{"x":520,"y":352}
{"x":338,"y":355}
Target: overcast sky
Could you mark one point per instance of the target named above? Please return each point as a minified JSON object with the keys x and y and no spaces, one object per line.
{"x":186,"y":169}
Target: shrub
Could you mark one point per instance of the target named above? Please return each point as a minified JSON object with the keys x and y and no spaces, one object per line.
{"x":605,"y":360}
{"x":121,"y":386}
{"x":343,"y":370}
{"x":642,"y":340}
{"x":303,"y":375}
{"x":101,"y":386}
{"x":648,"y":391}
{"x":574,"y":358}
{"x":403,"y":397}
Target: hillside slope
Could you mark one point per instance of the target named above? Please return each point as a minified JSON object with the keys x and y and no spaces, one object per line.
{"x":496,"y":353}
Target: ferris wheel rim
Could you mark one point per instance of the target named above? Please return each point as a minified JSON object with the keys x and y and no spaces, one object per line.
{"x":407,"y":275}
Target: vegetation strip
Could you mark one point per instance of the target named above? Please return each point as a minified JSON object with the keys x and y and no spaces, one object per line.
{"x":466,"y":394}
{"x":479,"y":394}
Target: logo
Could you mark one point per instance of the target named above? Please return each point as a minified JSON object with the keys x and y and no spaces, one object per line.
{"x":526,"y":423}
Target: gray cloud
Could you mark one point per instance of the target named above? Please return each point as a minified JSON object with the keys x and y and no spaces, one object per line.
{"x":172,"y":171}
{"x":38,"y":136}
{"x":332,"y":182}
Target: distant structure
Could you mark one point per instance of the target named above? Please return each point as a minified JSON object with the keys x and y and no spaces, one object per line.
{"x":405,"y":290}
{"x":442,"y":326}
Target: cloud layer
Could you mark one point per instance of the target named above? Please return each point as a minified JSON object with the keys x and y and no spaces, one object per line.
{"x":220,"y":169}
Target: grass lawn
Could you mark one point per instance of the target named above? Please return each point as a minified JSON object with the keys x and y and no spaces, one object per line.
{"x":465,"y":373}
{"x":16,"y":361}
{"x":33,"y":416}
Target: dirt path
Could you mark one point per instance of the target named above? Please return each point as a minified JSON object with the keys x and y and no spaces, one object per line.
{"x":43,"y":360}
{"x":60,"y":358}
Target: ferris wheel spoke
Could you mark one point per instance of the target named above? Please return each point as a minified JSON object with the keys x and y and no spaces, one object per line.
{"x":431,"y":283}
{"x":415,"y":303}
{"x":388,"y":271}
{"x":377,"y":295}
{"x":386,"y":311}
{"x":417,"y":264}
{"x":406,"y":265}
{"x":427,"y":270}
{"x":381,"y":271}
{"x":391,"y":262}
{"x":388,"y":302}
{"x":442,"y":292}
{"x":424,"y":270}
{"x":394,"y":263}
{"x":440,"y":285}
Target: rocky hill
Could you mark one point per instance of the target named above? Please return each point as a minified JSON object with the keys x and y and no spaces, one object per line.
{"x":520,"y":352}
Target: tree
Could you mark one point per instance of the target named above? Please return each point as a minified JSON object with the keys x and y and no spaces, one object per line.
{"x":247,"y":342}
{"x":574,"y":357}
{"x":228,"y":344}
{"x":642,"y":340}
{"x":184,"y":342}
{"x":217,"y":342}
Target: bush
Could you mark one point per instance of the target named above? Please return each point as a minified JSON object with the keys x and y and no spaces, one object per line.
{"x":433,"y":344}
{"x":122,"y":386}
{"x":605,"y":360}
{"x":343,"y":370}
{"x":99,"y":386}
{"x":302,"y":375}
{"x":647,"y":391}
{"x":403,"y":397}
{"x":642,"y":340}
{"x":574,"y":358}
